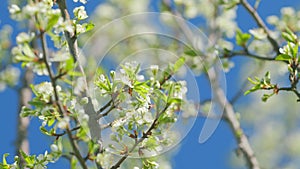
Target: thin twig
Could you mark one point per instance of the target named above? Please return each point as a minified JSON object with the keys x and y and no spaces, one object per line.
{"x":107,"y":112}
{"x":250,"y":55}
{"x":105,"y":106}
{"x":141,"y":139}
{"x":64,"y":132}
{"x":292,"y":89}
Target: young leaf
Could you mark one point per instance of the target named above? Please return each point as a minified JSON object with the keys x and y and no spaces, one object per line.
{"x":283,"y":57}
{"x":52,"y":21}
{"x":4,"y":159}
{"x":242,"y":38}
{"x":179,"y":63}
{"x":190,"y":53}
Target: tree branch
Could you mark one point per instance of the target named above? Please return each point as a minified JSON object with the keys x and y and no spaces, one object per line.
{"x":107,"y":112}
{"x":250,"y":55}
{"x":105,"y":106}
{"x":141,"y":139}
{"x":95,"y":129}
{"x":232,"y":120}
{"x":221,"y":98}
{"x":57,"y":101}
{"x":290,"y":89}
{"x":261,"y":24}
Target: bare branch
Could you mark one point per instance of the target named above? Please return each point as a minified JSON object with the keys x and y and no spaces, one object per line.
{"x":105,"y":106}
{"x":250,"y":55}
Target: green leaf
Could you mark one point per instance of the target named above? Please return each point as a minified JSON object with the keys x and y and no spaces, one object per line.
{"x":52,"y":21}
{"x":4,"y":158}
{"x":69,"y":64}
{"x":265,"y":97}
{"x":4,"y":166}
{"x":159,"y":94}
{"x":74,"y":73}
{"x":295,"y":51}
{"x":51,"y":121}
{"x":253,"y":81}
{"x":179,"y":63}
{"x":253,"y":89}
{"x":288,"y":37}
{"x":37,"y":103}
{"x":88,"y":26}
{"x":283,"y":57}
{"x":190,"y":53}
{"x":268,"y":77}
{"x":242,"y":38}
{"x":45,"y":131}
{"x":73,"y":163}
{"x":102,"y":86}
{"x":174,"y":100}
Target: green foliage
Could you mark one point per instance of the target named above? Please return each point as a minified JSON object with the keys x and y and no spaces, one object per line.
{"x":242,"y":38}
{"x":263,"y":84}
{"x":142,"y":106}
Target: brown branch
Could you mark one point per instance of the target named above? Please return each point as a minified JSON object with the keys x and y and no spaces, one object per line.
{"x":95,"y":129}
{"x":65,"y":132}
{"x":57,"y":100}
{"x":291,"y":89}
{"x":250,"y":55}
{"x":107,"y":112}
{"x":105,"y":106}
{"x":261,"y":24}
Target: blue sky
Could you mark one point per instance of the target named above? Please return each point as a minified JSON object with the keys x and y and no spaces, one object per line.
{"x":215,"y":153}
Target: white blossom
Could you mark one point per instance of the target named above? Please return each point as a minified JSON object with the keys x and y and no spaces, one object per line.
{"x":31,"y":9}
{"x":140,"y":77}
{"x":63,"y":123}
{"x":287,"y":11}
{"x":54,"y":148}
{"x":80,"y":29}
{"x":272,"y":19}
{"x":13,"y":9}
{"x":81,"y":1}
{"x":80,"y":13}
{"x":126,"y":80}
{"x":287,"y":49}
{"x":24,"y":37}
{"x":44,"y":88}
